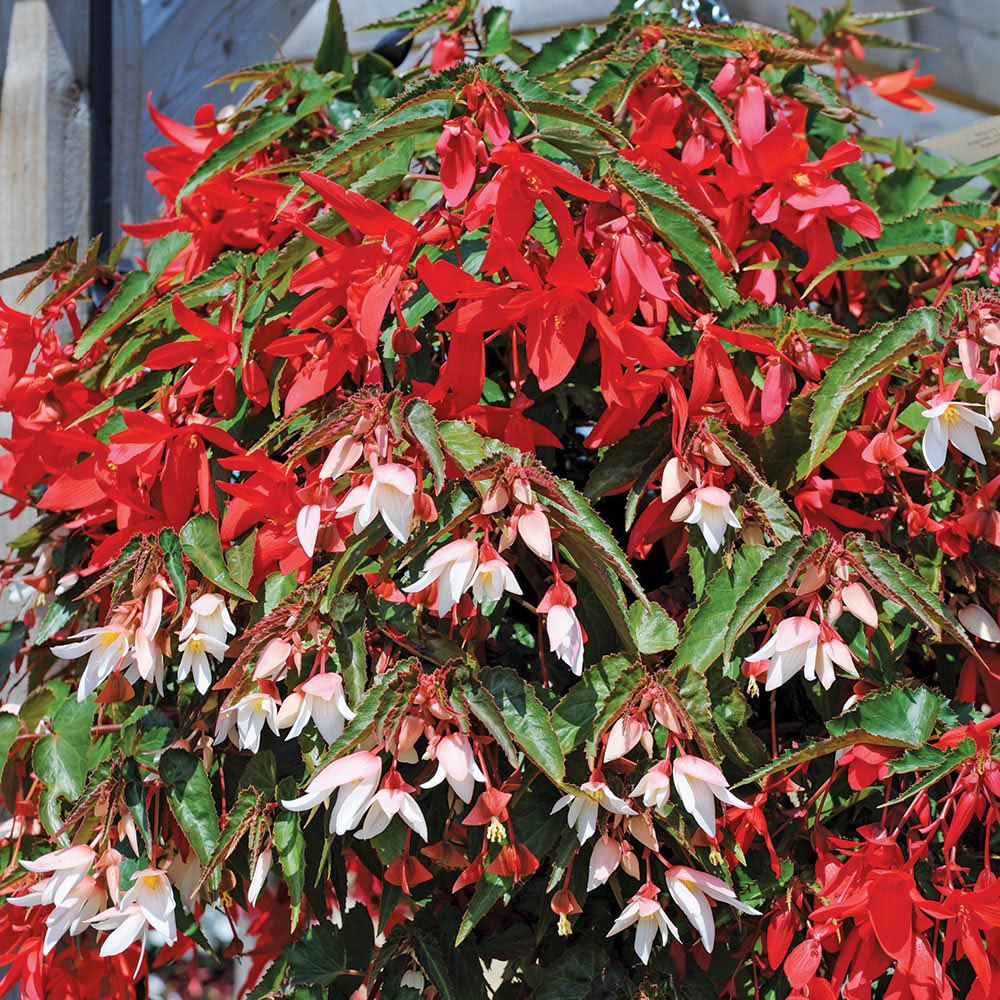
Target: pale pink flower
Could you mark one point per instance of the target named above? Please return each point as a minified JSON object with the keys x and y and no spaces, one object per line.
{"x":66,"y":868}
{"x":273,"y":661}
{"x":858,"y":601}
{"x":980,"y":623}
{"x":321,"y":698}
{"x":355,"y":778}
{"x":533,"y":529}
{"x":307,"y":527}
{"x":388,"y":494}
{"x":709,"y":508}
{"x":452,"y":568}
{"x":691,"y":891}
{"x":627,"y":731}
{"x":644,"y":910}
{"x":584,"y":805}
{"x":251,"y":713}
{"x":209,"y":616}
{"x":802,"y":644}
{"x":565,"y":634}
{"x":456,"y":764}
{"x":604,"y":861}
{"x":675,"y":480}
{"x":699,"y":783}
{"x":392,"y":799}
{"x":493,"y":579}
{"x":654,"y":786}
{"x":344,"y":455}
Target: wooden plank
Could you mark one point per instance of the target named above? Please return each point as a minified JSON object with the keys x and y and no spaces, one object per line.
{"x":44,"y":130}
{"x":128,"y":119}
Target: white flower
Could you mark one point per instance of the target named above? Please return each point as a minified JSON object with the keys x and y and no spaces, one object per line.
{"x":583,"y":807}
{"x":389,"y":494}
{"x":800,"y":643}
{"x":148,"y":657}
{"x":261,"y":869}
{"x":391,"y":799}
{"x":699,"y":783}
{"x":691,"y":891}
{"x":565,"y":636}
{"x":356,"y":776}
{"x":321,"y":698}
{"x":210,"y":616}
{"x":644,"y":910}
{"x":953,"y":423}
{"x":148,"y":904}
{"x":74,"y":913}
{"x":452,"y":568}
{"x":654,"y":786}
{"x":66,"y":868}
{"x":708,"y":507}
{"x":980,"y":623}
{"x":493,"y":578}
{"x":152,"y":893}
{"x":307,"y":527}
{"x":196,"y":649}
{"x":108,"y":647}
{"x":456,"y":763}
{"x":252,"y":713}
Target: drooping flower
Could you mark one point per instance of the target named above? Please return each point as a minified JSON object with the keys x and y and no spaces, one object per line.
{"x":691,"y":891}
{"x":644,"y":910}
{"x":108,"y":647}
{"x":452,"y":568}
{"x":261,"y":869}
{"x":321,"y":698}
{"x":74,"y":913}
{"x":251,"y":713}
{"x":802,"y":644}
{"x":604,"y":861}
{"x":709,"y":508}
{"x":699,"y":783}
{"x":209,"y":616}
{"x":654,"y":786}
{"x":952,"y":423}
{"x":493,"y":577}
{"x":354,"y":777}
{"x":584,"y":805}
{"x":456,"y":764}
{"x":196,"y":649}
{"x":566,"y":635}
{"x":66,"y":868}
{"x":389,"y":494}
{"x":392,"y":799}
{"x":980,"y":623}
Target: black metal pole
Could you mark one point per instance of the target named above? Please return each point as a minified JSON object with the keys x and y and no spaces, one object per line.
{"x":100,"y":73}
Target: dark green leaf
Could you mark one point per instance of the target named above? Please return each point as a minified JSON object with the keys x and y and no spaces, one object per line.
{"x":419,"y":418}
{"x":60,"y":758}
{"x":189,"y":793}
{"x":200,"y":543}
{"x":334,"y":55}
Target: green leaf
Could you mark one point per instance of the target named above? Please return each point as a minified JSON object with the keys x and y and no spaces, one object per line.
{"x":527,"y":720}
{"x":687,"y":233}
{"x":463,"y":444}
{"x":290,"y":845}
{"x":189,"y":793}
{"x":654,"y":629}
{"x":895,"y":581}
{"x":619,"y":464}
{"x":575,"y":975}
{"x":480,"y":702}
{"x":318,"y":957}
{"x":135,"y":798}
{"x":496,"y":32}
{"x":173,"y":563}
{"x":10,"y":726}
{"x":734,"y":598}
{"x":61,"y":611}
{"x":948,"y":761}
{"x":419,"y":418}
{"x":60,"y":758}
{"x":239,"y":559}
{"x":243,"y":144}
{"x":903,"y":716}
{"x":132,"y":292}
{"x":594,"y":700}
{"x":200,"y":543}
{"x":431,"y":957}
{"x":870,"y":355}
{"x":334,"y":55}
{"x":560,"y":50}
